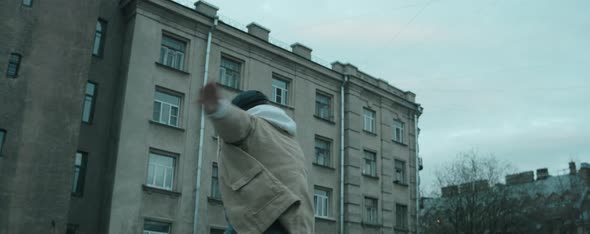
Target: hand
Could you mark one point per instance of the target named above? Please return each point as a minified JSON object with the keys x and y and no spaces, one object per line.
{"x":209,"y":97}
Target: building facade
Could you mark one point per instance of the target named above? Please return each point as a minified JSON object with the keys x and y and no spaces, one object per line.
{"x":143,"y":158}
{"x":547,"y":204}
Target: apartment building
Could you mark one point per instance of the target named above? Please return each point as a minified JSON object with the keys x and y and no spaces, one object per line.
{"x":141,"y":157}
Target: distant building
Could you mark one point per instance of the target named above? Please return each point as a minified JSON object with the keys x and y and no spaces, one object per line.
{"x":548,"y":204}
{"x":100,"y":127}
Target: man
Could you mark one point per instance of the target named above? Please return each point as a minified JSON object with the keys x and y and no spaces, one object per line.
{"x":262,"y":169}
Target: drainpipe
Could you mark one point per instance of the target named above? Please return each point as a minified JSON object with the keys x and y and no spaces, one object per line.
{"x":342,"y":153}
{"x":417,"y":173}
{"x":202,"y":132}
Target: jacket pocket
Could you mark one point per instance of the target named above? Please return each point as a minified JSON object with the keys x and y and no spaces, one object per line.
{"x":245,"y":178}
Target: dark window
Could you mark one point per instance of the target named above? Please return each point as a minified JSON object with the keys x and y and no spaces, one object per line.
{"x":79,"y":173}
{"x":13,"y":65}
{"x":230,"y":72}
{"x":215,"y":182}
{"x":28,"y":3}
{"x":89,"y":99}
{"x":370,"y":168}
{"x":322,"y":152}
{"x":400,"y":172}
{"x":401,"y":216}
{"x":72,"y":229}
{"x":371,"y":210}
{"x":99,"y":38}
{"x":154,"y":227}
{"x":2,"y":138}
{"x":323,"y":106}
{"x":216,"y":231}
{"x":172,"y":52}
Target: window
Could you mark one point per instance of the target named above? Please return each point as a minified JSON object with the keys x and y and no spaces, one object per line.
{"x":401,"y":216}
{"x":99,"y":38}
{"x":2,"y":137}
{"x":399,"y":128}
{"x":160,"y":171}
{"x":370,"y":210}
{"x":166,"y":108}
{"x":322,"y":152}
{"x":368,"y":120}
{"x":217,"y":231}
{"x":230,"y":72}
{"x":13,"y":65}
{"x":215,"y":183}
{"x":400,"y":172}
{"x":370,"y":168}
{"x":88,"y":108}
{"x":154,"y":227}
{"x":79,"y":173}
{"x":72,"y":229}
{"x":280,"y":91}
{"x":323,"y":106}
{"x":172,"y":52}
{"x":28,"y":3}
{"x":321,"y":200}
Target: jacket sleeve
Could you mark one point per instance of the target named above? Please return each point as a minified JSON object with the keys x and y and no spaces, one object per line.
{"x":231,"y":123}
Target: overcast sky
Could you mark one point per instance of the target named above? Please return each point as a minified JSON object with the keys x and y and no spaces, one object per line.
{"x":508,"y":77}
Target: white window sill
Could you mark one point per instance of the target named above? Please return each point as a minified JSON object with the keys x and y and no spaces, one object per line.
{"x":166,"y":125}
{"x":150,"y":189}
{"x":328,"y":219}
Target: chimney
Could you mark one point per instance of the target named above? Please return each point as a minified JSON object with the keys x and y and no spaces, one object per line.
{"x":410,"y":96}
{"x":301,"y":50}
{"x":206,"y":8}
{"x":542,"y":173}
{"x":449,"y":191}
{"x":572,"y":168}
{"x":259,"y":31}
{"x":585,"y":172}
{"x":520,"y":178}
{"x":350,"y":69}
{"x":338,"y":67}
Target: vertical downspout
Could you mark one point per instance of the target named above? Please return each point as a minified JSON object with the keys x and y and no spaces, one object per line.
{"x":417,"y":173}
{"x":342,"y":154}
{"x":202,"y":132}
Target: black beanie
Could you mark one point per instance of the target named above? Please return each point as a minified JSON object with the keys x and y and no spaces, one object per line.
{"x":248,"y":99}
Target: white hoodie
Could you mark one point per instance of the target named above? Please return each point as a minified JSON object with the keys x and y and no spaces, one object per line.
{"x":276,"y":116}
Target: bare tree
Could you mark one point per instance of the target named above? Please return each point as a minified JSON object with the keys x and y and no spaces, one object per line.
{"x":475,"y":201}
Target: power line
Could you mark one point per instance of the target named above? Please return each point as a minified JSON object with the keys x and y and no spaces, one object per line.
{"x":411,"y":20}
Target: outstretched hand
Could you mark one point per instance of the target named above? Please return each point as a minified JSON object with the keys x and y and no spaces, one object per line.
{"x":209,"y":97}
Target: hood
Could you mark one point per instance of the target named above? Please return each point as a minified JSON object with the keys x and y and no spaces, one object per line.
{"x":276,"y":116}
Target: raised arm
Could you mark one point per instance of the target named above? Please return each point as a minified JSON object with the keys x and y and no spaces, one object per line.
{"x":231,"y":123}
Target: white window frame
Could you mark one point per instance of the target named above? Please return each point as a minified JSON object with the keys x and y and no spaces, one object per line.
{"x":321,"y":202}
{"x":369,"y":120}
{"x":371,"y":216}
{"x":400,"y":172}
{"x":370,"y":167}
{"x":284,"y":92}
{"x":171,"y":106}
{"x":398,"y":130}
{"x":327,"y":155}
{"x":328,"y":106}
{"x":229,"y":81}
{"x":155,"y":232}
{"x":172,"y":57}
{"x":166,"y":168}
